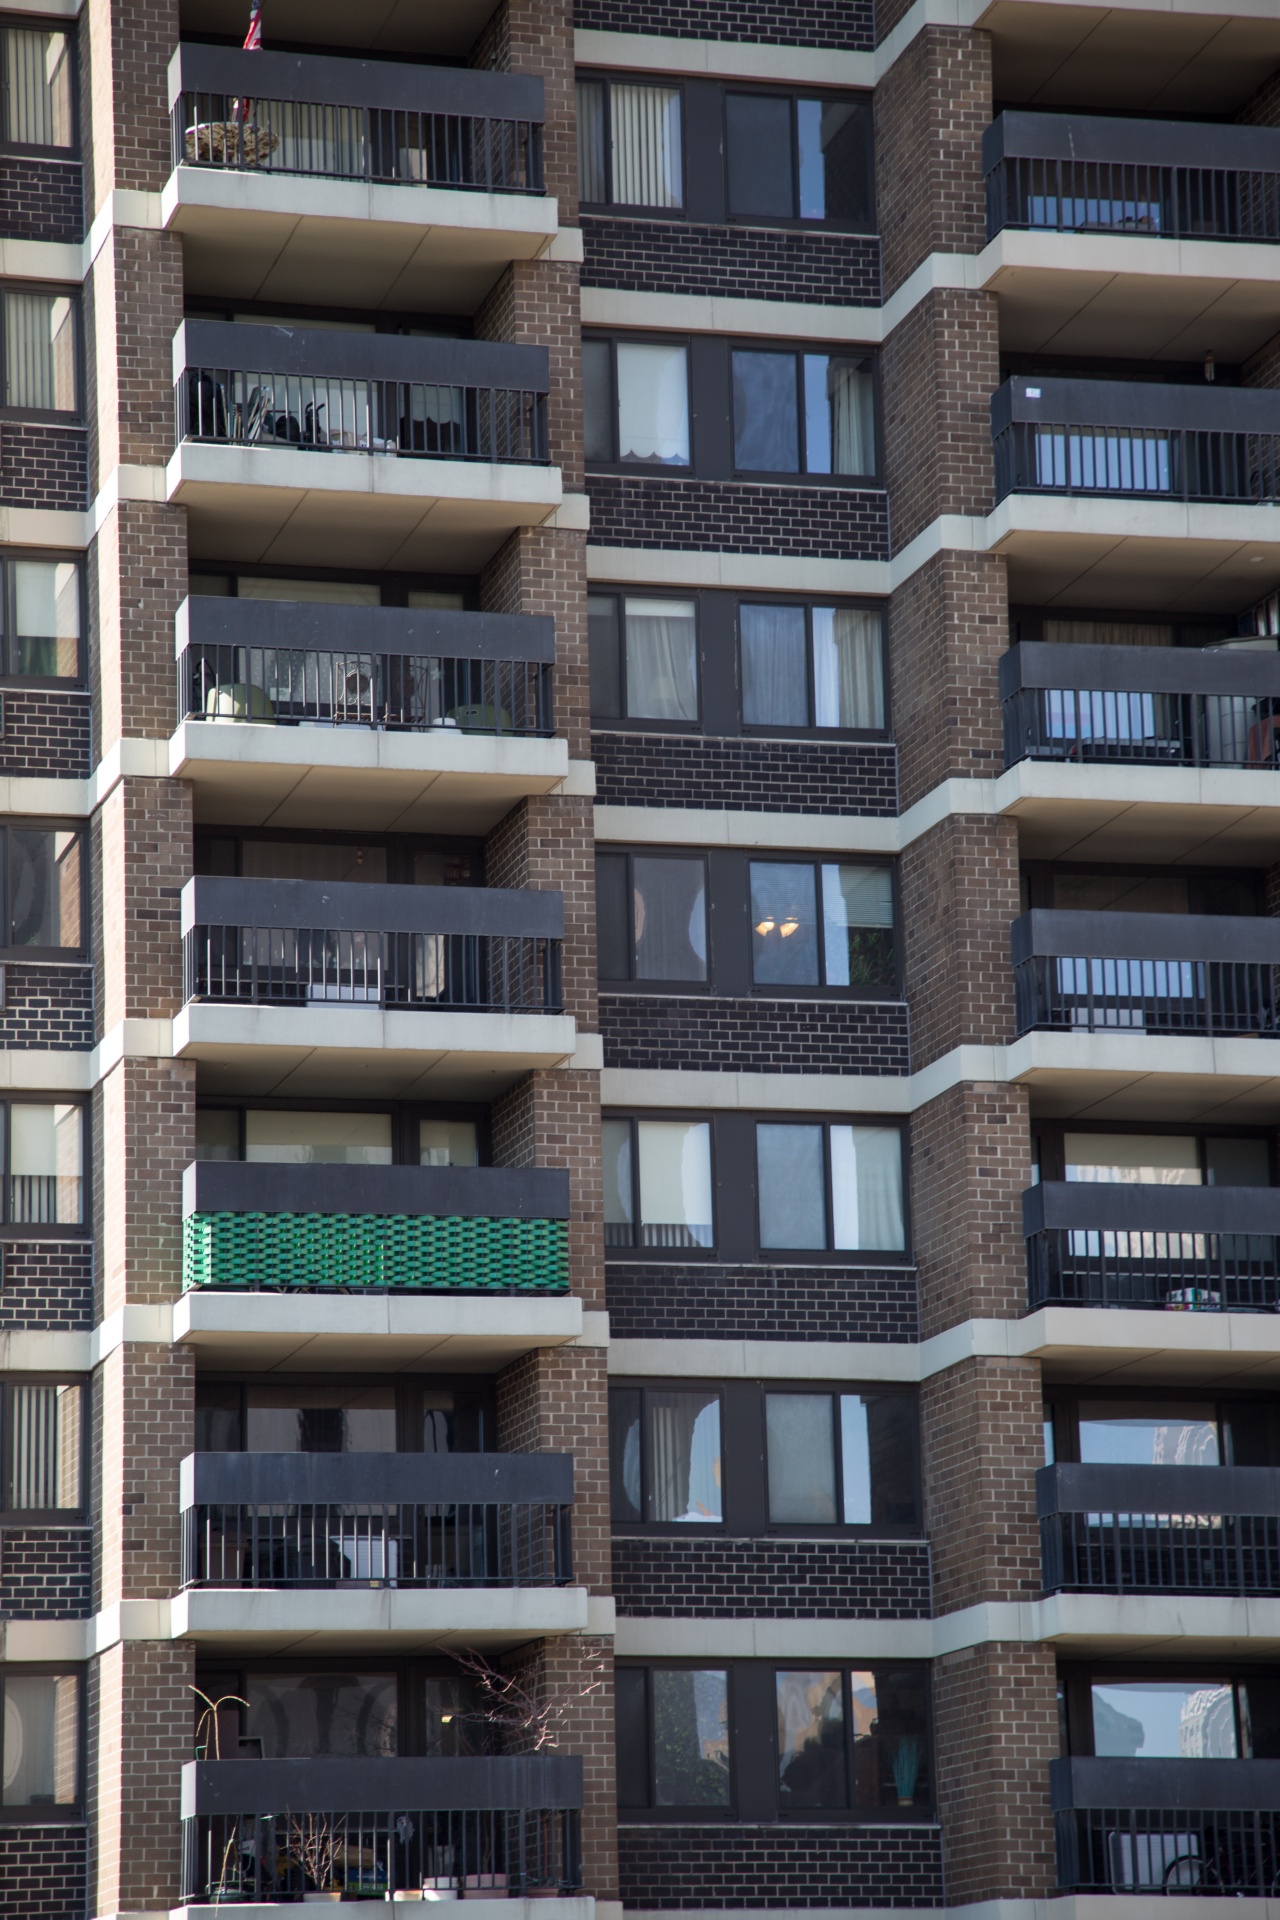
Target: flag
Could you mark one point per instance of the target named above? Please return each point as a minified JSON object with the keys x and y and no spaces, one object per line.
{"x":253,"y":39}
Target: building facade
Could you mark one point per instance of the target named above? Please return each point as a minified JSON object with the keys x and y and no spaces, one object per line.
{"x":733,"y":1362}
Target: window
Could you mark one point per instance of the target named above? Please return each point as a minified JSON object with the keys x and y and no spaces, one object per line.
{"x":39,"y":351}
{"x":673,"y":1737}
{"x":407,"y":1415}
{"x":1154,"y":1159}
{"x":811,"y":666}
{"x":42,"y":885}
{"x":665,"y":1449}
{"x":331,"y":1137}
{"x":652,"y":915}
{"x":798,"y":158}
{"x":38,"y":101}
{"x":644,"y":663}
{"x":39,"y":1740}
{"x":846,"y":942}
{"x":40,"y":606}
{"x":657,"y":1183}
{"x":44,"y":1148}
{"x":635,"y":397}
{"x":802,"y":412}
{"x":630,"y":144}
{"x":1150,"y":1429}
{"x":448,"y":1143}
{"x":340,"y":1716}
{"x":41,"y":1446}
{"x":828,"y":1186}
{"x":840,"y":1459}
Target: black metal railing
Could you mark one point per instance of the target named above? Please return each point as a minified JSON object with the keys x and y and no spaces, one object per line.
{"x":302,"y":943}
{"x":1190,"y":1249}
{"x":1121,"y":1529}
{"x":1163,"y":973}
{"x":1135,"y":439}
{"x":382,"y":122}
{"x":1073,"y":173}
{"x":1167,"y":1826}
{"x":1141,"y":706}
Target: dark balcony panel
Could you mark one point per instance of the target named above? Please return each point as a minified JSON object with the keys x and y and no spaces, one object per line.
{"x":1199,"y":1249}
{"x":508,"y":1824}
{"x":309,"y":943}
{"x":1166,"y":179}
{"x":403,"y":1520}
{"x":385,"y":394}
{"x":1125,"y":1529}
{"x":1136,"y":439}
{"x":1160,"y":973}
{"x":393,"y":669}
{"x":377,"y":120}
{"x":1167,"y":1826}
{"x":1141,"y":706}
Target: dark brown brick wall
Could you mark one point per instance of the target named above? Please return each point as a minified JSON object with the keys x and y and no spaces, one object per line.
{"x":47,"y":1284}
{"x":41,"y":199}
{"x":771,"y":1579}
{"x":716,"y":1302}
{"x":43,"y":1872}
{"x":770,"y":776}
{"x":827,"y":523}
{"x":753,"y":1036}
{"x":43,"y":466}
{"x":981,"y":1438}
{"x":845,"y":24}
{"x":675,"y":256}
{"x":46,"y":1007}
{"x":46,"y":1573}
{"x":46,"y":732}
{"x":730,"y":1865}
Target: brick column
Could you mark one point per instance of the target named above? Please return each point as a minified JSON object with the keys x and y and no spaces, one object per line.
{"x":995,"y":1729}
{"x":970,"y":1166}
{"x":553,"y":1120}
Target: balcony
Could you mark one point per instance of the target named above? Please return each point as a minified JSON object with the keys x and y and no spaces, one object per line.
{"x":272,"y":1830}
{"x":1167,"y":1826}
{"x":1166,"y":1529}
{"x":1201,"y":1249}
{"x":418,"y":183}
{"x":303,"y":714}
{"x":305,"y":1229}
{"x":294,"y":984}
{"x":374,"y":450}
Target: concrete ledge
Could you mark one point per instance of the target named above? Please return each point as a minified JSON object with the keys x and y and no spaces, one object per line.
{"x":405,"y":1619}
{"x":582,"y":1908}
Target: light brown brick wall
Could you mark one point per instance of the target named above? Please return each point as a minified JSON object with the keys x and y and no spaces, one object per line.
{"x":981,"y":1441}
{"x":548,"y":842}
{"x":959,"y":899}
{"x":970,"y":1165}
{"x":544,"y":571}
{"x":539,"y":39}
{"x":143,"y":835}
{"x":1263,"y":109}
{"x":995,"y":1732}
{"x":142,"y":1733}
{"x":948,"y":626}
{"x":137,"y":577}
{"x":535,"y":304}
{"x":553,"y":1120}
{"x":125,"y":56}
{"x":939,"y":369}
{"x":932,"y":109}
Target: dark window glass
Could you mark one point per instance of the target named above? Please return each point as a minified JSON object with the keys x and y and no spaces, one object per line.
{"x":690,"y":1737}
{"x":613,"y":917}
{"x":280,"y":1418}
{"x":775,"y":668}
{"x":837,"y":414}
{"x":625,"y":1453}
{"x":45,"y":897}
{"x":40,"y":605}
{"x":219,"y":1427}
{"x":39,"y":1739}
{"x":655,"y":929}
{"x":797,"y":158}
{"x":597,"y":399}
{"x":630,"y":1705}
{"x":845,"y":1458}
{"x":760,"y":155}
{"x":891,"y":1737}
{"x":340,"y":1715}
{"x":811,"y":666}
{"x":605,"y":648}
{"x":1260,"y":1715}
{"x":766,"y":420}
{"x":834,"y":168}
{"x":452,"y":1422}
{"x":454,"y":1716}
{"x":852,"y":946}
{"x":812,"y":1764}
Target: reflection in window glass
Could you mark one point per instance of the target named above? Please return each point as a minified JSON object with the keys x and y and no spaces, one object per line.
{"x":318,"y":1139}
{"x":690,"y":1738}
{"x":766,"y":422}
{"x":454,"y":1711}
{"x":282,"y":1418}
{"x":802,"y":1467}
{"x":653,"y":404}
{"x":39,"y":351}
{"x":619,"y":1212}
{"x":1164,"y":1720}
{"x":325,"y":593}
{"x":37,"y":88}
{"x":857,"y":926}
{"x":1135,"y":1159}
{"x":44,"y":887}
{"x":683,"y":1457}
{"x":784,"y":946}
{"x":335,"y":1715}
{"x":1127,"y":1433}
{"x":792,"y":1186}
{"x":1238,"y":1163}
{"x":448,"y":1143}
{"x":40,"y":1740}
{"x":833,"y":182}
{"x":675,"y":1183}
{"x":855,"y":1457}
{"x":43,"y":1449}
{"x":670,"y":918}
{"x":45,"y":642}
{"x":217,"y":1133}
{"x":46,"y":1145}
{"x":811,"y":1740}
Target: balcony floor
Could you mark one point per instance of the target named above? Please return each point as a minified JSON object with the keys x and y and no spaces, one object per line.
{"x":309,"y":1622}
{"x":1130,"y":1075}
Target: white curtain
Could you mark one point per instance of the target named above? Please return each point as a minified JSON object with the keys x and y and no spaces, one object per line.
{"x":662,"y":672}
{"x":848,"y":676}
{"x":647,"y":163}
{"x":653,"y":404}
{"x":866,"y":1187}
{"x":675,"y":1183}
{"x":39,"y":352}
{"x":37,"y":88}
{"x":853,"y":433}
{"x":774,"y":690}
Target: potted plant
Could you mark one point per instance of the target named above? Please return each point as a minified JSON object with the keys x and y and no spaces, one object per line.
{"x":907,"y":1757}
{"x":318,"y":1844}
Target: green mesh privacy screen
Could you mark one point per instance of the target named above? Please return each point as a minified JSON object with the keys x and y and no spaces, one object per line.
{"x":409,"y":1252}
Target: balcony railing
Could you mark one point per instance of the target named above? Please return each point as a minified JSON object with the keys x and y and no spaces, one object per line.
{"x":252,"y":1227}
{"x":1204,"y":1249}
{"x":376,"y":1520}
{"x":384,"y":394}
{"x":1167,"y":1826}
{"x":1141,"y":706}
{"x":1163,"y":179}
{"x":1124,"y":1529}
{"x":276,"y":1829}
{"x":305,"y":943}
{"x":380,"y":121}
{"x":1138,"y":440}
{"x":286,"y":663}
{"x":1165,"y":973}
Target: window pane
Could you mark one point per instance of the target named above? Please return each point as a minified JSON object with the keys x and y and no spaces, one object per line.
{"x":839,"y":415}
{"x":217,"y":1134}
{"x":802,"y":1468}
{"x":653,"y":404}
{"x":758,"y":150}
{"x":775,"y":691}
{"x":322,"y":593}
{"x":283,"y":1418}
{"x":624,"y":1452}
{"x":848,"y":668}
{"x":857,"y":926}
{"x":218,"y":1426}
{"x":336,"y":860}
{"x":597,"y":400}
{"x":45,"y":1165}
{"x":448,"y":1143}
{"x":890,"y":1744}
{"x":37,"y":88}
{"x":44,"y":888}
{"x":605,"y":654}
{"x":648,"y":168}
{"x":766,"y":427}
{"x":684,"y":1456}
{"x":866,"y":1189}
{"x":855,"y":1461}
{"x":670,"y":909}
{"x":452,"y":1422}
{"x":318,"y":1139}
{"x":1164,"y":1720}
{"x":675,"y":1183}
{"x":613,"y":917}
{"x":662,"y":668}
{"x":46,"y":619}
{"x":1238,"y":1163}
{"x":341,"y":1715}
{"x":41,"y":1713}
{"x":615,"y":1145}
{"x":39,"y":352}
{"x":690,"y":1738}
{"x":44,"y":1447}
{"x":784,"y":946}
{"x":891,"y":1447}
{"x":811,"y":1740}
{"x":454,"y":1713}
{"x":631,"y":1730}
{"x":1135,"y":1159}
{"x":792,"y":1186}
{"x":1260,"y":1712}
{"x":833,"y":162}
{"x":1126,"y":1433}
{"x":591,"y":174}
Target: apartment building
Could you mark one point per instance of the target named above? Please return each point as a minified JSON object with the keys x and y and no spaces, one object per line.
{"x":732,"y":1362}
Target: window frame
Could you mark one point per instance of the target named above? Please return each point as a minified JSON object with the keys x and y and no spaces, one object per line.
{"x":672,"y":1255}
{"x":781,"y":990}
{"x":613,"y":339}
{"x":1065,"y":1405}
{"x":812,"y":732}
{"x":46,"y":1814}
{"x":18,"y":1517}
{"x":220,"y":1676}
{"x":9,"y":677}
{"x":636,"y":210}
{"x":1048,"y":1142}
{"x":634,"y":982}
{"x":72,"y":152}
{"x":409,"y":1390}
{"x":47,"y":416}
{"x":404,"y":1115}
{"x":826,"y":96}
{"x":1077,"y":1678}
{"x":813,"y":1120}
{"x":801,"y":476}
{"x":34,"y":823}
{"x":625,"y":720}
{"x":52,"y":1229}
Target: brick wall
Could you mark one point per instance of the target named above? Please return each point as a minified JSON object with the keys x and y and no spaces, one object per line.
{"x":712,"y":1302}
{"x":826,"y":523}
{"x":537,"y":37}
{"x":772,"y":776}
{"x":771,"y":1579}
{"x":981,"y":1441}
{"x":549,"y":842}
{"x":43,"y":466}
{"x":47,"y":1284}
{"x":535,"y":303}
{"x":932,"y":108}
{"x":753,"y":1036}
{"x":970,"y":1165}
{"x":140,"y":1735}
{"x":995,"y":1730}
{"x":1263,"y":108}
{"x":137,"y":578}
{"x":46,"y":1007}
{"x":675,"y":256}
{"x":41,"y":199}
{"x":553,"y":1120}
{"x":939,"y":368}
{"x":124,"y":58}
{"x":960,"y":897}
{"x":734,"y":1865}
{"x":46,"y":732}
{"x":146,"y":851}
{"x":845,"y":24}
{"x":144,"y":1136}
{"x":46,"y":1573}
{"x":1262,"y":369}
{"x":543,"y":570}
{"x":948,"y":626}
{"x":44,"y":1872}
{"x":147,"y":1419}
